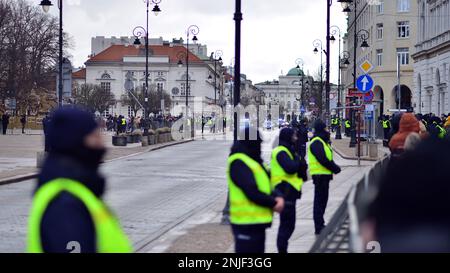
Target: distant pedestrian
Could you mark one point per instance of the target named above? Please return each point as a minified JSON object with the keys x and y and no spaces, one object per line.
{"x":68,"y":213}
{"x":5,"y":122}
{"x":45,"y":124}
{"x":251,"y":199}
{"x":302,"y":134}
{"x":23,"y":122}
{"x":321,"y":167}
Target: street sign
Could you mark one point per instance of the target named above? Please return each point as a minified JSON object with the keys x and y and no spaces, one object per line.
{"x":364,"y":83}
{"x":353,"y":92}
{"x":369,"y":115}
{"x":10,"y":104}
{"x":368,"y":97}
{"x":366,"y":67}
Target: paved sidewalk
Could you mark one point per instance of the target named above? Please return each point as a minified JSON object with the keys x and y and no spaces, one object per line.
{"x":18,"y":153}
{"x":203,"y":233}
{"x":341,"y":147}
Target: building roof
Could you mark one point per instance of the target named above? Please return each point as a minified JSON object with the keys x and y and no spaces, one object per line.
{"x":80,"y":74}
{"x":116,"y":53}
{"x":295,"y":72}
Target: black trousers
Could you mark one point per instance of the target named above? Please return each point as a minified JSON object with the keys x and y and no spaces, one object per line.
{"x":287,"y":225}
{"x":321,"y":188}
{"x":386,"y":133}
{"x":5,"y":128}
{"x":249,"y":238}
{"x":302,"y":149}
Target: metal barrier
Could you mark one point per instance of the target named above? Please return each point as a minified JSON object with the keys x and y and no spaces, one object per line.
{"x":342,"y":234}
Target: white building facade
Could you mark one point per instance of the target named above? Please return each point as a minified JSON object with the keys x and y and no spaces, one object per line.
{"x":286,"y":92}
{"x":392,"y":29}
{"x":432,"y":58}
{"x":109,"y":68}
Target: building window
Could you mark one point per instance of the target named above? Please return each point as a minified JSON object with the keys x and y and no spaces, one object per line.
{"x":403,"y":55}
{"x":106,"y":113}
{"x":379,"y":57}
{"x":130,"y":111}
{"x":183,"y":89}
{"x":403,"y":5}
{"x":380,"y":7}
{"x":159,"y":86}
{"x":380,"y":31}
{"x":403,"y":29}
{"x":106,"y":86}
{"x":160,"y":74}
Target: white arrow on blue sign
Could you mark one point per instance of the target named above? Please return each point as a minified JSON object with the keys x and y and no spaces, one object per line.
{"x":364,"y":83}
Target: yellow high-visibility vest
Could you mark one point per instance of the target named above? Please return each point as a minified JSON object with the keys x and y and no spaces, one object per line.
{"x":315,"y":168}
{"x":110,"y":237}
{"x":278,"y":174}
{"x":242,"y":210}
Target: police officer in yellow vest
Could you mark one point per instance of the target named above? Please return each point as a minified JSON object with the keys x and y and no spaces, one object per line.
{"x":288,"y":171}
{"x":68,"y":213}
{"x":321,"y":167}
{"x":348,"y":126}
{"x":252,"y":201}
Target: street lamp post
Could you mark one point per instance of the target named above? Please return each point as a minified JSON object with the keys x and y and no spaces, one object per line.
{"x":194,"y":30}
{"x":358,"y":35}
{"x":300,"y":64}
{"x":237,"y":89}
{"x":336,"y":30}
{"x":217,"y":57}
{"x":318,"y":44}
{"x":141,"y":32}
{"x":46,"y":4}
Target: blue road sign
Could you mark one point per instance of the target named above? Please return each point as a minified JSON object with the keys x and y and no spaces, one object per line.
{"x":364,"y":83}
{"x":369,"y":115}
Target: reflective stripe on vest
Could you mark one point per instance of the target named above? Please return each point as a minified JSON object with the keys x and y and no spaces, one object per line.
{"x":242,"y":210}
{"x":315,"y":168}
{"x":347,"y":124}
{"x":386,"y":124}
{"x":278,"y":174}
{"x":110,"y":237}
{"x":124,"y":122}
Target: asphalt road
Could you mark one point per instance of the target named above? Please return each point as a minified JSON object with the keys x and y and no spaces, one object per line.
{"x":151,"y":192}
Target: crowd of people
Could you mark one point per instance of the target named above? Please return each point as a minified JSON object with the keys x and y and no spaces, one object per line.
{"x":410,"y":210}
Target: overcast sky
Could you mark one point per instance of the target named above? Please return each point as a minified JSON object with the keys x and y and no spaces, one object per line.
{"x":274,"y":33}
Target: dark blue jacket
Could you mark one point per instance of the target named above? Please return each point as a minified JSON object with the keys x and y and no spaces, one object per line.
{"x":66,"y":212}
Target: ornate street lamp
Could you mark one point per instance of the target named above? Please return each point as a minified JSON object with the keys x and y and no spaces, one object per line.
{"x":46,"y":4}
{"x":191,"y":30}
{"x":216,"y":57}
{"x":140,"y":32}
{"x":319,"y":45}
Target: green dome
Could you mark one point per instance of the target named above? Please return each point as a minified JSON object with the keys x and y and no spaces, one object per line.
{"x":295,"y":72}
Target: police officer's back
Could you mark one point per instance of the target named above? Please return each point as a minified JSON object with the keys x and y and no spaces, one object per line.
{"x":252,"y":201}
{"x":321,"y":167}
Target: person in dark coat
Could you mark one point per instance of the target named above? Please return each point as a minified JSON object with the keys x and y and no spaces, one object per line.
{"x":5,"y":122}
{"x":45,"y":123}
{"x":250,"y":238}
{"x":71,"y":156}
{"x":291,"y":166}
{"x":410,"y":212}
{"x":321,"y":181}
{"x":302,"y":135}
{"x":23,"y":121}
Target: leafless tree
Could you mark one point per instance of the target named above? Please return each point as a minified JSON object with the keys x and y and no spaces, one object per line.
{"x":28,"y":50}
{"x":93,"y":97}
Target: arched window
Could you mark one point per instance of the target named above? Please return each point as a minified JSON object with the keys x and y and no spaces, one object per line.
{"x":106,"y":76}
